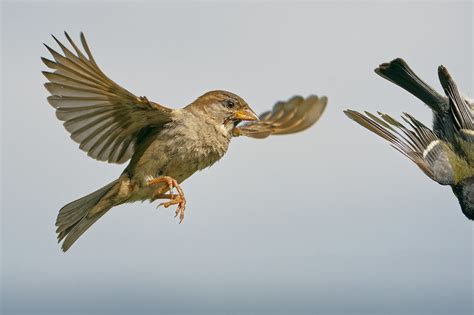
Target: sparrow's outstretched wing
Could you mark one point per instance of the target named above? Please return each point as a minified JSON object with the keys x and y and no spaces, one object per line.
{"x":292,"y":116}
{"x":100,"y":115}
{"x":433,"y":156}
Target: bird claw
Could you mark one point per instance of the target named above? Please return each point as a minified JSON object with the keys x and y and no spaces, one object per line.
{"x":174,"y":199}
{"x":181,"y":202}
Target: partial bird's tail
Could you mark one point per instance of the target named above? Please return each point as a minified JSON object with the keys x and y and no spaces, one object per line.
{"x":398,"y":72}
{"x":75,"y":217}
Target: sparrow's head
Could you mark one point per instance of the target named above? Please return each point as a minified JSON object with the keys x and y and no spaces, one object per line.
{"x":225,"y":108}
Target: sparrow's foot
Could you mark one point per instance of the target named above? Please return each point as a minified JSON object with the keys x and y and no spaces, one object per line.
{"x":177,"y":199}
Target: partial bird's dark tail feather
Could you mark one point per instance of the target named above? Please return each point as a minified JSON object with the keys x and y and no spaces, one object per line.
{"x":398,"y":72}
{"x":73,"y":219}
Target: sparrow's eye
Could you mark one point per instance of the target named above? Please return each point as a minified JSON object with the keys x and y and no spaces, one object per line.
{"x":229,"y":104}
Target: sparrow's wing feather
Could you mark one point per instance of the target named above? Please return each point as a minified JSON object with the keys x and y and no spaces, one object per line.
{"x":100,"y":115}
{"x":418,"y":142}
{"x":292,"y":116}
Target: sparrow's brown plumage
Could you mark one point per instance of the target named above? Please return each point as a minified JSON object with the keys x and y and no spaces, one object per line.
{"x":165,"y":146}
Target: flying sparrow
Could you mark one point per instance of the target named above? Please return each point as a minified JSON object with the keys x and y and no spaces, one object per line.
{"x":165,"y":146}
{"x":444,"y":153}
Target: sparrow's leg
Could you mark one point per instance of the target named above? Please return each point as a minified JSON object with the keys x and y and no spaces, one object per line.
{"x":177,"y":199}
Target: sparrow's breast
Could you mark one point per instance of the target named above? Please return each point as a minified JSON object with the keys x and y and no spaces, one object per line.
{"x":194,"y":144}
{"x":181,"y":148}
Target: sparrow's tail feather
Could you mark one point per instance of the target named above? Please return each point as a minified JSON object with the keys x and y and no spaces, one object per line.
{"x":398,"y":72}
{"x":74,"y":218}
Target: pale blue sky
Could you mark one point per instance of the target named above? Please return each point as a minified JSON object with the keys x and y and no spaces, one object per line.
{"x":328,"y":221}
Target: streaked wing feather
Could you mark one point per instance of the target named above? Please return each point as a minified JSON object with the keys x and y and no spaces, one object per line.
{"x":100,"y":115}
{"x":460,"y":107}
{"x":414,"y":143}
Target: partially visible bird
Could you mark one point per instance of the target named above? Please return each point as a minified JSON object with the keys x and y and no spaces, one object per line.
{"x":165,"y":146}
{"x":444,"y":153}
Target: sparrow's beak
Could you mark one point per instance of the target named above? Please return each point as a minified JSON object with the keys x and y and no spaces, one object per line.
{"x":246,"y":115}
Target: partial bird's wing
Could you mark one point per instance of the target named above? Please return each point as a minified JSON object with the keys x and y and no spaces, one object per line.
{"x":460,"y":107}
{"x":419,"y":143}
{"x":100,"y":115}
{"x":292,"y":116}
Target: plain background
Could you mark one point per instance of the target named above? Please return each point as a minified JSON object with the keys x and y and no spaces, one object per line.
{"x":328,"y":221}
